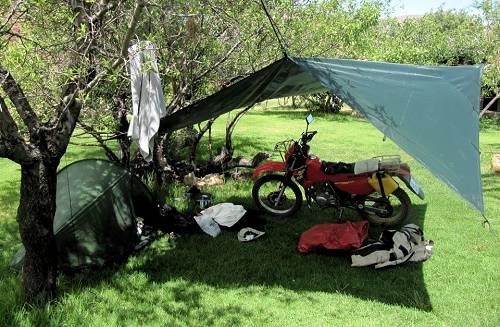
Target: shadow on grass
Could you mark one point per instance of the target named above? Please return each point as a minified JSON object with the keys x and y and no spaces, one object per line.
{"x":269,"y":263}
{"x":272,"y":261}
{"x":275,"y":262}
{"x":491,"y":186}
{"x":182,"y":301}
{"x":490,"y":183}
{"x":9,"y":244}
{"x":223,"y":262}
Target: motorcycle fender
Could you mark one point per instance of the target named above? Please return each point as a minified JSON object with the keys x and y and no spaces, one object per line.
{"x":388,"y":183}
{"x":412,"y":184}
{"x":268,"y":167}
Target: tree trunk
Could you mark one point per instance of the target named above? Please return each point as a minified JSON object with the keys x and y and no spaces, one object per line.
{"x":35,"y":216}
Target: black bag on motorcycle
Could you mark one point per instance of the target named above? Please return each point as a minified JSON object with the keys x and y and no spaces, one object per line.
{"x":332,"y":168}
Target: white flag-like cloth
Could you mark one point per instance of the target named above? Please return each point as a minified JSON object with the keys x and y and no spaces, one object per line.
{"x":148,"y":102}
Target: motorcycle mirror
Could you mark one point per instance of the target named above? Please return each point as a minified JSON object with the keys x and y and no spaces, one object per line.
{"x":309,"y":119}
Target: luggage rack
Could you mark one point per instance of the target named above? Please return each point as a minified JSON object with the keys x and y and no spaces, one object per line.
{"x":389,"y":163}
{"x":282,"y":148}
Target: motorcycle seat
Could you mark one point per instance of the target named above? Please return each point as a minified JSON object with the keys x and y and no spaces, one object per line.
{"x":332,"y":168}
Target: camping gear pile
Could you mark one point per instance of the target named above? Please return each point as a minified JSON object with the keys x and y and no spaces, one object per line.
{"x":393,"y":247}
{"x":104,"y":214}
{"x":98,"y":202}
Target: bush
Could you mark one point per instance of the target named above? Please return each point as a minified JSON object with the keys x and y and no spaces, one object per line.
{"x":323,"y":102}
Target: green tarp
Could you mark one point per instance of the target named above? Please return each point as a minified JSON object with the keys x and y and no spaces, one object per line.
{"x":431,"y":112}
{"x":95,"y":220}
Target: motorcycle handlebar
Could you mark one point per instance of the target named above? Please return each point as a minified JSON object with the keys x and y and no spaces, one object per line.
{"x":308,"y":136}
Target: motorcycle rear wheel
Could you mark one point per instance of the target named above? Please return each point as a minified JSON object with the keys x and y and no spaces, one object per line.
{"x":267,"y":189}
{"x":399,"y":210}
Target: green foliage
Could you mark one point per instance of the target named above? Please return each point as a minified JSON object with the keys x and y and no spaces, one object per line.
{"x":437,"y":38}
{"x":326,"y":102}
{"x":488,"y":123}
{"x":442,"y":38}
{"x":491,"y":82}
{"x":178,"y":146}
{"x":206,"y":45}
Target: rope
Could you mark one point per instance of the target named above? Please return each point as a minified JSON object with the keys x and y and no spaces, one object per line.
{"x":485,"y":223}
{"x":279,"y":36}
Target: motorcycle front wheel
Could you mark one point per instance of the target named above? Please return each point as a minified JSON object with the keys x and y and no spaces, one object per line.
{"x":397,"y":208}
{"x":277,"y":195}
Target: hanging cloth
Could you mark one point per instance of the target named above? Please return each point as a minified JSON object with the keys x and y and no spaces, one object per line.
{"x":148,"y":102}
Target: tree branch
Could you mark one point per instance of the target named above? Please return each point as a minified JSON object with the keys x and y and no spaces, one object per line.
{"x":12,"y":145}
{"x":23,"y":108}
{"x":488,"y":105}
{"x":70,"y":106}
{"x":198,"y":138}
{"x":123,"y":52}
{"x":230,"y":128}
{"x":10,"y":14}
{"x":109,"y":153}
{"x":105,"y":7}
{"x":218,"y":63}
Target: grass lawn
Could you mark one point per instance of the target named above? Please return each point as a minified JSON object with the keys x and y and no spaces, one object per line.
{"x":199,"y":281}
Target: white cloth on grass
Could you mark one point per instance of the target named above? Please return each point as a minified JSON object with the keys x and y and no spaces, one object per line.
{"x":208,"y":225}
{"x":225,"y":214}
{"x":148,"y":102}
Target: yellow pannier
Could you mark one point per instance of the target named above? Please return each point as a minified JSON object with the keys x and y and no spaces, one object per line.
{"x":388,"y":183}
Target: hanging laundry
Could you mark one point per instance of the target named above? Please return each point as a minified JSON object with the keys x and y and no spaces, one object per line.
{"x":394,"y":247}
{"x":148,"y":102}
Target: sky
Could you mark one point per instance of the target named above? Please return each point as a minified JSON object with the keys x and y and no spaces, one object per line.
{"x":419,"y":7}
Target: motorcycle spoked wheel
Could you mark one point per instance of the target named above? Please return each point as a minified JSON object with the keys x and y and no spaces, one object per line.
{"x":265,"y":193}
{"x":398,"y":208}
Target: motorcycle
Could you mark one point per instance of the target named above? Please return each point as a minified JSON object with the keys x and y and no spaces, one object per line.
{"x":366,"y":186}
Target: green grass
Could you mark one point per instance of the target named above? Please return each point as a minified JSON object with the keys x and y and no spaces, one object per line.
{"x":199,"y":281}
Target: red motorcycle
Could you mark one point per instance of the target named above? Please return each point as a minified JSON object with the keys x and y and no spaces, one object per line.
{"x":366,"y":186}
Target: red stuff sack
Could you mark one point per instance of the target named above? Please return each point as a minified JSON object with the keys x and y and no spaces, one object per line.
{"x":345,"y":236}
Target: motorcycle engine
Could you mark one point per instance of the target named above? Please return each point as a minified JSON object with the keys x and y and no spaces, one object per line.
{"x":324,"y":195}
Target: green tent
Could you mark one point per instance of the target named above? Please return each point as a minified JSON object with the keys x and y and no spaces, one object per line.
{"x":95,"y":220}
{"x":431,"y":112}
